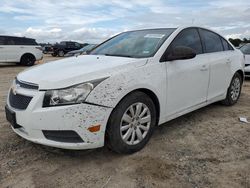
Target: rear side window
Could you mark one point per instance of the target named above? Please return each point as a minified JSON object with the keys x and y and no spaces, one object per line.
{"x":20,"y":41}
{"x":212,"y":41}
{"x":226,"y":45}
{"x":189,"y":38}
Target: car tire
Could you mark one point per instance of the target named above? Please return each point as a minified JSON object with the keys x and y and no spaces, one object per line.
{"x":131,"y":123}
{"x":60,"y":53}
{"x":54,"y":54}
{"x":28,"y":60}
{"x":234,"y":90}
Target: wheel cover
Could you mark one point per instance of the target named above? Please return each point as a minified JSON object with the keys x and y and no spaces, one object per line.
{"x":135,"y":123}
{"x":235,"y":89}
{"x":61,"y":53}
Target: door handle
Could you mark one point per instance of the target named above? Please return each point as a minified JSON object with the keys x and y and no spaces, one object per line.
{"x":1,"y":47}
{"x":228,"y":61}
{"x":204,"y":68}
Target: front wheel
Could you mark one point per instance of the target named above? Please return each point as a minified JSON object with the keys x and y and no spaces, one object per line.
{"x":131,"y":124}
{"x":61,"y":53}
{"x":234,"y":90}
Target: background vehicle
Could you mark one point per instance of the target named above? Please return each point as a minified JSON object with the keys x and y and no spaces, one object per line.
{"x":83,"y":50}
{"x":64,"y":47}
{"x":47,"y":49}
{"x":246,"y":51}
{"x":19,"y":50}
{"x":126,"y":86}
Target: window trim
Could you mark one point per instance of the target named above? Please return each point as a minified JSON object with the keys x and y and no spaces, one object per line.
{"x":163,"y":57}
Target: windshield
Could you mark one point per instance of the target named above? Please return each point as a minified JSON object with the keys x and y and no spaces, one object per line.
{"x":135,"y":44}
{"x":245,"y":49}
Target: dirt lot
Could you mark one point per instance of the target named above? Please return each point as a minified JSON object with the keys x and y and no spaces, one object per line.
{"x":206,"y":148}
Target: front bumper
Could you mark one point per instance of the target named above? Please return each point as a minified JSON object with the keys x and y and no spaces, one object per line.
{"x":78,"y":118}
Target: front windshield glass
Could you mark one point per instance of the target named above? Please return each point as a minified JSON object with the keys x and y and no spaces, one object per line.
{"x":135,"y":44}
{"x":88,"y":47}
{"x":245,"y":49}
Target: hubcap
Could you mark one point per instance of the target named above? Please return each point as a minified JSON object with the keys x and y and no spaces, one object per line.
{"x":61,"y":53}
{"x":135,"y":123}
{"x":235,"y":89}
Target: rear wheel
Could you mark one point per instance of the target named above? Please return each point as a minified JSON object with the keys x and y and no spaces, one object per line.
{"x":131,"y":124}
{"x":61,"y":53}
{"x":28,"y":60}
{"x":234,"y":90}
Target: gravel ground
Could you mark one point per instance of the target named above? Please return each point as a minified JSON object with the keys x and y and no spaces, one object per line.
{"x":205,"y":148}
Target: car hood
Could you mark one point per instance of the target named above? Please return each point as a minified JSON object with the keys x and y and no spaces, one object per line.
{"x":74,"y":70}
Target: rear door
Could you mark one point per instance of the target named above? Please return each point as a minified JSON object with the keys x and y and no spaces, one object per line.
{"x":13,"y":49}
{"x":219,"y":61}
{"x":187,"y":79}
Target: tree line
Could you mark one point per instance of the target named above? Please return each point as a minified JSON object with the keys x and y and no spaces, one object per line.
{"x":237,"y":42}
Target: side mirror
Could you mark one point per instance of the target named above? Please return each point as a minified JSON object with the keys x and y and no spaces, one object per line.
{"x":181,"y":52}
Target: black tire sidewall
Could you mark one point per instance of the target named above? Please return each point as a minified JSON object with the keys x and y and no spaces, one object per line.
{"x":24,"y":60}
{"x":113,"y":136}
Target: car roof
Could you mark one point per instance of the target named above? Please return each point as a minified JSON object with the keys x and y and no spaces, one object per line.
{"x":16,"y":37}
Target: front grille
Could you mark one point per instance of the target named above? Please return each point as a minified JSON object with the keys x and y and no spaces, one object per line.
{"x":27,"y":85}
{"x":18,"y":101}
{"x":63,"y":136}
{"x":247,"y":73}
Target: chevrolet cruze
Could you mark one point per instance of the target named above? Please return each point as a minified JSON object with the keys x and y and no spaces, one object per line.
{"x":124,"y":88}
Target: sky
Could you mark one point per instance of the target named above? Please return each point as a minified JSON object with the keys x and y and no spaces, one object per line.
{"x":93,"y":21}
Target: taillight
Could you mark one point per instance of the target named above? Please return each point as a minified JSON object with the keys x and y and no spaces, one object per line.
{"x":39,"y":48}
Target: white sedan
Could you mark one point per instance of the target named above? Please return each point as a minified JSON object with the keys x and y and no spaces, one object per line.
{"x":125,"y":87}
{"x":246,"y":51}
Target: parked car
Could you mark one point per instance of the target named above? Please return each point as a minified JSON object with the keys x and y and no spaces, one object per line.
{"x":64,"y":47}
{"x":47,"y":49}
{"x":246,"y":51}
{"x":19,"y":50}
{"x":83,"y":50}
{"x":125,"y":87}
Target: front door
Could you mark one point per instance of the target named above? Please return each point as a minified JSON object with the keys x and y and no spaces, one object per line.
{"x":187,"y":80}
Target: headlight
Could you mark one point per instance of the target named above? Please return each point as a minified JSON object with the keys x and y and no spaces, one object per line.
{"x":72,"y":95}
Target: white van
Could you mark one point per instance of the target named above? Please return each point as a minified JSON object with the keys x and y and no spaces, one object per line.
{"x":19,"y":50}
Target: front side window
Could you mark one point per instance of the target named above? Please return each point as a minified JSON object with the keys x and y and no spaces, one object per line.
{"x":188,"y":38}
{"x":225,"y":44}
{"x":135,"y":44}
{"x":245,"y":49}
{"x":212,"y":41}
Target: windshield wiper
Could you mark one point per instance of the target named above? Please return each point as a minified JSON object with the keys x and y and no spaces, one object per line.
{"x":119,"y":55}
